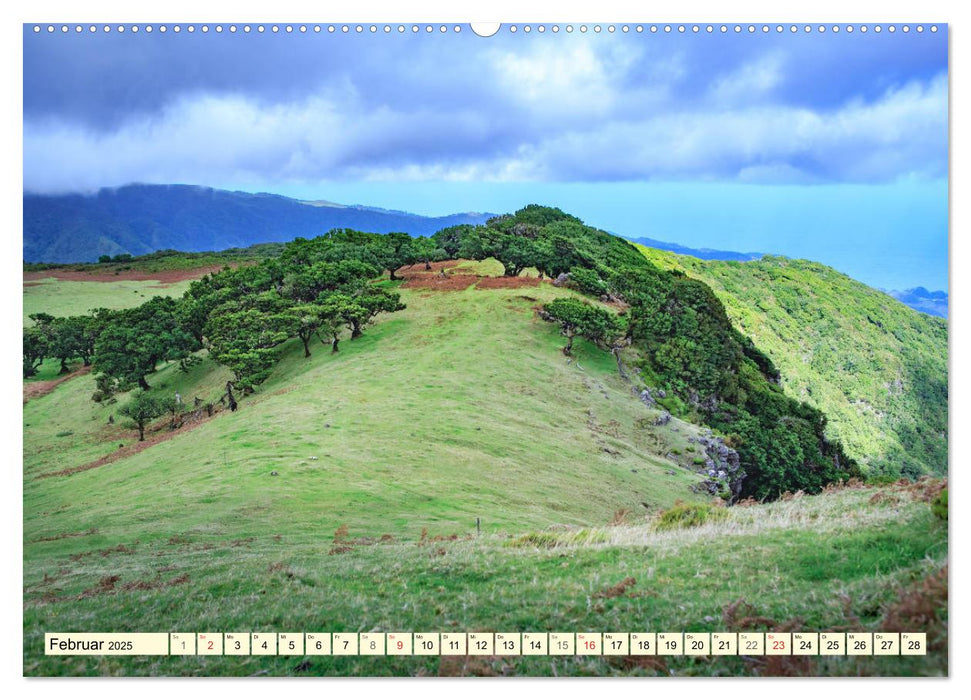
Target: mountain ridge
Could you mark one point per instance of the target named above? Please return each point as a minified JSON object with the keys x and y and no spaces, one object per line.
{"x":139,"y":219}
{"x":883,"y":387}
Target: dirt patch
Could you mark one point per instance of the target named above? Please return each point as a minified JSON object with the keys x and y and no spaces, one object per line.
{"x":409,"y":271}
{"x":34,"y":390}
{"x":105,"y":585}
{"x":449,"y":283}
{"x":446,"y":276}
{"x":509,"y":282}
{"x":163,"y":277}
{"x":618,"y":589}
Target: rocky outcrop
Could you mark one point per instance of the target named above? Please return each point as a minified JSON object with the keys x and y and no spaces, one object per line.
{"x":723,"y":469}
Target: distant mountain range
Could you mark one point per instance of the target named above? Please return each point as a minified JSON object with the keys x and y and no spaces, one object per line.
{"x":933,"y":303}
{"x":139,"y":219}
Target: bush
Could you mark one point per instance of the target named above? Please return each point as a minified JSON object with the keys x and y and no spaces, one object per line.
{"x":939,"y":505}
{"x":682,"y":515}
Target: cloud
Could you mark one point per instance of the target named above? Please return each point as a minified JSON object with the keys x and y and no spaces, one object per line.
{"x":573,"y":109}
{"x":750,"y":81}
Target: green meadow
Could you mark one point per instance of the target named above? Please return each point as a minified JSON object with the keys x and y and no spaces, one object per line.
{"x":344,"y":494}
{"x":74,"y":298}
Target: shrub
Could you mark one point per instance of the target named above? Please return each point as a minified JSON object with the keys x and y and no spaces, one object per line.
{"x":682,"y":515}
{"x":939,"y":505}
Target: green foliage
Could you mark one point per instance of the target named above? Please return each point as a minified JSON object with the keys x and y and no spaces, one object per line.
{"x":133,"y":342}
{"x":143,"y":408}
{"x":939,"y":505}
{"x":576,"y":317}
{"x":877,"y":368}
{"x":427,"y":250}
{"x":588,"y":281}
{"x":246,"y":341}
{"x":684,"y":515}
{"x":35,"y":350}
{"x":677,"y":326}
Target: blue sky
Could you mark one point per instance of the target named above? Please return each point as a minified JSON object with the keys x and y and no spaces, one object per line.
{"x":827,"y":146}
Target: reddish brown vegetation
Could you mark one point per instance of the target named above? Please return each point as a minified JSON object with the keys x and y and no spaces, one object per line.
{"x":439,"y":278}
{"x":118,"y":549}
{"x":618,"y":589}
{"x":451,"y":283}
{"x":921,"y":608}
{"x":649,"y":663}
{"x":163,"y":277}
{"x":65,"y":535}
{"x":740,"y":616}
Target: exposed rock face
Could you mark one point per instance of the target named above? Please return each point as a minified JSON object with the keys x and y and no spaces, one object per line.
{"x":561,"y":279}
{"x":647,"y":398}
{"x":725,"y":473}
{"x":663,"y":419}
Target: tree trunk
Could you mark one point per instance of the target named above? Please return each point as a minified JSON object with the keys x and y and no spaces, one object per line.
{"x":141,"y":432}
{"x":393,"y":278}
{"x":428,"y":265}
{"x":333,"y":347}
{"x":568,"y":350}
{"x":64,"y":368}
{"x":306,"y":345}
{"x":232,"y":399}
{"x":355,"y":330}
{"x":143,"y":384}
{"x":620,"y":363}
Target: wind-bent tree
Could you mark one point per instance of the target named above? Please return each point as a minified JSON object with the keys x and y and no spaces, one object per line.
{"x":247,"y":342}
{"x":516,"y":253}
{"x":339,"y":310}
{"x":58,"y":338}
{"x":142,"y":409}
{"x":308,"y":320}
{"x":426,"y":250}
{"x":35,"y":350}
{"x":371,"y":301}
{"x":399,"y":251}
{"x":576,"y":317}
{"x":307,"y":283}
{"x":134,"y":341}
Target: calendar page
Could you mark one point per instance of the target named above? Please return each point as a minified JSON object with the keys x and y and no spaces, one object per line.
{"x":423,"y":348}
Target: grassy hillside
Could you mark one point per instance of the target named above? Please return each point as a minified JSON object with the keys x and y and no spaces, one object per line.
{"x":461,"y":406}
{"x":853,"y":559}
{"x":72,"y":298}
{"x":877,"y":368}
